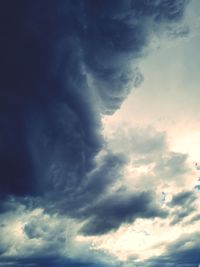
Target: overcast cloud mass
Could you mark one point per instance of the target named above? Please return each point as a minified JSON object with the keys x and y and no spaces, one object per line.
{"x":76,"y":190}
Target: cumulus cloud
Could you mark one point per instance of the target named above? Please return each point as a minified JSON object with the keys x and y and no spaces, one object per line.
{"x":35,"y":238}
{"x":151,"y":161}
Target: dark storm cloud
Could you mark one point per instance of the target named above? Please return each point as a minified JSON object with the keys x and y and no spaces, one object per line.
{"x":121,"y":207}
{"x":63,"y":63}
{"x":47,"y":261}
{"x":107,"y":171}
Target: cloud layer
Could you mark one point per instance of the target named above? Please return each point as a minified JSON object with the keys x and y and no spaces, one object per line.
{"x":65,"y":64}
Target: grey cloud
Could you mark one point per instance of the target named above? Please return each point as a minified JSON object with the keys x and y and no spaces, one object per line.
{"x":139,"y":141}
{"x":180,"y":215}
{"x":194,"y":219}
{"x":164,"y":10}
{"x":197,"y":187}
{"x":35,"y":237}
{"x":48,"y":261}
{"x":38,"y":228}
{"x":121,"y":207}
{"x":106,"y":173}
{"x":183,"y":205}
{"x":183,"y":199}
{"x":184,"y":251}
{"x":63,"y":65}
{"x":149,"y":156}
{"x":179,"y":31}
{"x":172,"y":165}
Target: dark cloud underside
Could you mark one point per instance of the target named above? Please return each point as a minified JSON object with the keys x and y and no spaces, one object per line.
{"x":122,"y":207}
{"x":183,"y":252}
{"x":49,"y":261}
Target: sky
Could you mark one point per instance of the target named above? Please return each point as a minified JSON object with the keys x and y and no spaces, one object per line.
{"x":99,"y":133}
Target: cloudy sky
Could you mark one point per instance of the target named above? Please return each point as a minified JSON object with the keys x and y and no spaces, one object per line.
{"x":99,"y":133}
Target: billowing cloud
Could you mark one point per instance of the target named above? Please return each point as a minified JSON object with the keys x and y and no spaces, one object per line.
{"x":151,"y":163}
{"x":65,"y":64}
